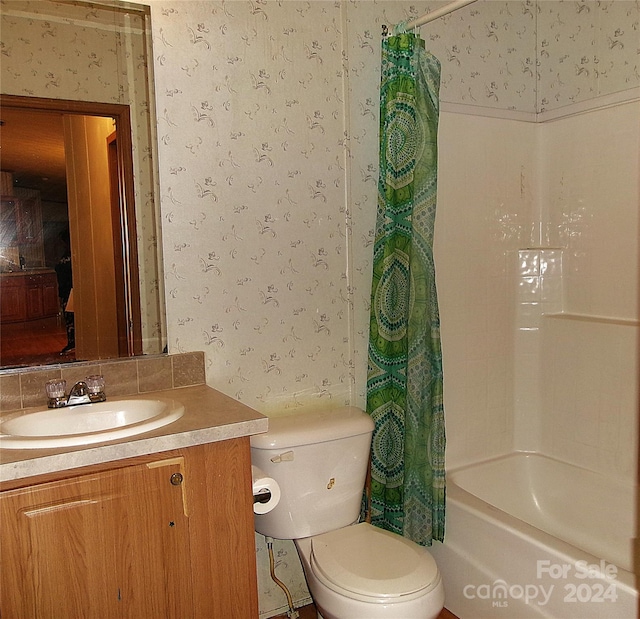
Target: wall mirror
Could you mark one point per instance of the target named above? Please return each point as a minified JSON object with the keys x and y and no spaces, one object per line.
{"x":79,"y":185}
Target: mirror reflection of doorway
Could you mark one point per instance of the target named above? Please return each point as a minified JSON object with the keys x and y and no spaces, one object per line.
{"x":91,"y":205}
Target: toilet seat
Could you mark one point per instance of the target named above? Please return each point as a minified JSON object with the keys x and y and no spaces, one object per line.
{"x":367,"y":563}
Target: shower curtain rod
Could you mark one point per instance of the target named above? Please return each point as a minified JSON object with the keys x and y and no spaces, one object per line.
{"x":441,"y":12}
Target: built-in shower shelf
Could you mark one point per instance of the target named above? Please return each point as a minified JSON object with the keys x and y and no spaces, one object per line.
{"x":592,"y":318}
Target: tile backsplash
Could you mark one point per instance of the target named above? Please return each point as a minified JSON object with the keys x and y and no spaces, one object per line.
{"x":25,"y":387}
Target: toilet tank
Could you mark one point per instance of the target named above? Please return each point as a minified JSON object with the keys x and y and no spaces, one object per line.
{"x":319,"y":460}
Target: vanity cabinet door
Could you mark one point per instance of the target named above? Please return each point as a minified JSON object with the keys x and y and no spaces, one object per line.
{"x":42,"y":296}
{"x":223,"y":549}
{"x":12,"y":299}
{"x":50,"y":302}
{"x":113,"y":544}
{"x":169,"y":537}
{"x":35,"y":305}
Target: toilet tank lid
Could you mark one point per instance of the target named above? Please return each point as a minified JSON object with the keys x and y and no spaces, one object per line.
{"x":313,"y":427}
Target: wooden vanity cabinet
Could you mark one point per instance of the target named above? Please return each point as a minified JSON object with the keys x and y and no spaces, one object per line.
{"x":28,"y":295}
{"x":163,"y":536}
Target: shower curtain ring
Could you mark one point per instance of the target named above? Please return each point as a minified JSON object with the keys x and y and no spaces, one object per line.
{"x":400,"y":27}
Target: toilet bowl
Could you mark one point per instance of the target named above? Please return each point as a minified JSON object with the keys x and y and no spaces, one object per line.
{"x":362,"y":572}
{"x":353,"y":571}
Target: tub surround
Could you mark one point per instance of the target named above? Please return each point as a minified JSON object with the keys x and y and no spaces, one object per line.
{"x":550,"y":494}
{"x":209,"y":417}
{"x":556,"y":545}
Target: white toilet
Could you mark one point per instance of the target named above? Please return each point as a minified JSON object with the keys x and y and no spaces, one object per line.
{"x":354,"y":571}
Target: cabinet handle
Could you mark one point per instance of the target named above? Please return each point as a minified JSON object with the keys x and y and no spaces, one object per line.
{"x":176,"y":479}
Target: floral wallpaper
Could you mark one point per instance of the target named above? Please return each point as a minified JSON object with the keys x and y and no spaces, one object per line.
{"x":253,"y":144}
{"x":487,"y":51}
{"x":527,"y":56}
{"x":586,"y":49}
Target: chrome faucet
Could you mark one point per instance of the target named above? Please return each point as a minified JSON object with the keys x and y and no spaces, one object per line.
{"x":78,"y":394}
{"x":83,"y":392}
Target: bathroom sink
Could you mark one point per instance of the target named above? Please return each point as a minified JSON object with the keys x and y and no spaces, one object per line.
{"x":72,"y":426}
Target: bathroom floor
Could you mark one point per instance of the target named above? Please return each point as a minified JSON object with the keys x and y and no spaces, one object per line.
{"x":309,"y":612}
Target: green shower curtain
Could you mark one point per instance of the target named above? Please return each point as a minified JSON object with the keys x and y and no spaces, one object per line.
{"x":404,"y":382}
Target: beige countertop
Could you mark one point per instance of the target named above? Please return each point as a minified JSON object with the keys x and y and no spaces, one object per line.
{"x":209,"y":416}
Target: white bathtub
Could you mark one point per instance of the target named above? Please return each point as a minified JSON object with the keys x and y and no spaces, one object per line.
{"x":530,"y":536}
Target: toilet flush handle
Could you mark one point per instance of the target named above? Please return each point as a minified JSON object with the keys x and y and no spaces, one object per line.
{"x":286,"y":456}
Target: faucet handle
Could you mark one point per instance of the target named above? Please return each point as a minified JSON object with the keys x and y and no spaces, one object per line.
{"x":55,"y":389}
{"x":95,"y":383}
{"x":95,"y":386}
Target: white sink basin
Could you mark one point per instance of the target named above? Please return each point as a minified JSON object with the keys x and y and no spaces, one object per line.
{"x":86,"y":424}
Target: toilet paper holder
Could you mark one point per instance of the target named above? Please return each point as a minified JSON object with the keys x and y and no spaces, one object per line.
{"x":265,"y":491}
{"x":264,"y":496}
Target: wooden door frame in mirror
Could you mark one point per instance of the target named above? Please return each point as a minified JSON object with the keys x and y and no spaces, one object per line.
{"x":122,"y":116}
